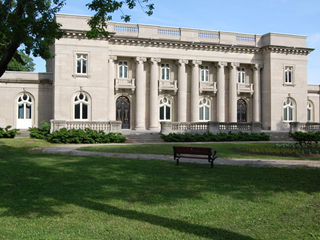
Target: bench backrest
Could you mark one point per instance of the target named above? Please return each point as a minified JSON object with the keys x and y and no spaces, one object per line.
{"x":192,"y":150}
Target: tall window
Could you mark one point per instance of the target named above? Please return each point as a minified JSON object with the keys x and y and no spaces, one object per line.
{"x":165,"y":72}
{"x":241,"y":75}
{"x":123,"y":69}
{"x":309,"y":111}
{"x":24,"y":106}
{"x":204,"y":109}
{"x":288,"y":110}
{"x":204,"y":73}
{"x":241,"y":111}
{"x":165,"y":109}
{"x":288,"y":75}
{"x":81,"y":106}
{"x":82,"y":63}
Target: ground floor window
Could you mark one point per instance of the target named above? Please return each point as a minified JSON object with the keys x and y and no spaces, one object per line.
{"x":241,"y":111}
{"x":309,"y":111}
{"x":24,"y":106}
{"x":81,"y":106}
{"x":204,"y":109}
{"x":288,"y":110}
{"x":165,"y":109}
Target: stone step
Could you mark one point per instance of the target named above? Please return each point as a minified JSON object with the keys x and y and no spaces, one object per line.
{"x":144,"y":138}
{"x":24,"y":133}
{"x":279,"y":136}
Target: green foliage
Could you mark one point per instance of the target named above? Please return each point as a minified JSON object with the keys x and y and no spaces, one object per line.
{"x":85,"y":136}
{"x":6,"y":133}
{"x":40,"y":133}
{"x":220,"y":137}
{"x":306,"y":138}
{"x":21,"y":62}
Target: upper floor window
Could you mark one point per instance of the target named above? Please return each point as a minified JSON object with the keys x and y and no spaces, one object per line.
{"x":288,"y":74}
{"x":241,"y":75}
{"x":288,"y":110}
{"x":204,"y":71}
{"x":165,"y":72}
{"x":81,"y":106}
{"x":82,"y":63}
{"x":165,"y":109}
{"x":309,"y":111}
{"x":204,"y":109}
{"x":123,"y":69}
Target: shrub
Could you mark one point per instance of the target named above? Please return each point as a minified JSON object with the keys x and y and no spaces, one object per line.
{"x":210,"y":137}
{"x":6,"y":133}
{"x":40,"y":133}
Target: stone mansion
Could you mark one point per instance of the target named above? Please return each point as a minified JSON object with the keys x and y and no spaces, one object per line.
{"x":144,"y":77}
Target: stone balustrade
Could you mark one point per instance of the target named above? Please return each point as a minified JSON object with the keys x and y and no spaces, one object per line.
{"x":304,"y":127}
{"x":107,"y":127}
{"x":169,"y":85}
{"x":124,"y":83}
{"x":214,"y":127}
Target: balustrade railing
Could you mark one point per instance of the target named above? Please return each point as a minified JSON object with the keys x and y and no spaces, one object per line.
{"x":109,"y":126}
{"x":124,"y":83}
{"x":169,"y":85}
{"x":304,"y":127}
{"x":245,"y":88}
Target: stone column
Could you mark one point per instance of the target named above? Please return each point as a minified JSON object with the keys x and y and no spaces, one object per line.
{"x":195,"y":91}
{"x":140,"y":95}
{"x":221,"y":103}
{"x":233,"y":92}
{"x":182,"y":91}
{"x":154,"y":105}
{"x":111,"y":80}
{"x":256,"y":94}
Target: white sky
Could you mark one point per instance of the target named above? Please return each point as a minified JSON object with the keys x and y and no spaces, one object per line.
{"x":301,"y":17}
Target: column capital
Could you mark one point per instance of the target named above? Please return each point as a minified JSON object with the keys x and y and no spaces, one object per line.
{"x":196,"y":62}
{"x":112,"y":58}
{"x":182,"y":62}
{"x":234,"y":65}
{"x":256,"y":66}
{"x":155,"y":60}
{"x":220,"y":64}
{"x":141,"y":59}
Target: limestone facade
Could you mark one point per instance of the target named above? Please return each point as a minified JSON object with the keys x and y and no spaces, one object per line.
{"x":143,"y":75}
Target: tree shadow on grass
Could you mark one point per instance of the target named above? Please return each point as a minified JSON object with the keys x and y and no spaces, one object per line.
{"x":37,"y":185}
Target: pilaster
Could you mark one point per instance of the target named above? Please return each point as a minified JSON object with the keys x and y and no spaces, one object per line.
{"x":221,"y":103}
{"x":111,"y":81}
{"x":140,"y":94}
{"x":195,"y":91}
{"x":182,"y":92}
{"x":257,"y":93}
{"x":154,"y":106}
{"x":233,"y":92}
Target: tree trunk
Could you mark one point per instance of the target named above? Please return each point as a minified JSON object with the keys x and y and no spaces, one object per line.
{"x":7,"y":56}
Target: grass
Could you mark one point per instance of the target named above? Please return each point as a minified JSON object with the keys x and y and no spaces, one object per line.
{"x":72,"y":197}
{"x":224,"y":150}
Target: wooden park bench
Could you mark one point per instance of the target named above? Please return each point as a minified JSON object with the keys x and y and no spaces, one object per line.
{"x":195,"y":153}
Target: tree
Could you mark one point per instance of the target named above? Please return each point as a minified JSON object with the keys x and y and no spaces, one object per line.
{"x":21,"y":62}
{"x":30,"y":24}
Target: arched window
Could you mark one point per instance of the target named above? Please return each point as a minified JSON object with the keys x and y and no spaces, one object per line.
{"x":288,"y":110}
{"x":165,"y":109}
{"x":309,"y":111}
{"x":204,"y":109}
{"x":241,"y":111}
{"x":24,"y":106}
{"x":81,"y":106}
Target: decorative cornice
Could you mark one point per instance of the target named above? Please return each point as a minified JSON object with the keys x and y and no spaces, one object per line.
{"x":287,"y":50}
{"x":77,"y":34}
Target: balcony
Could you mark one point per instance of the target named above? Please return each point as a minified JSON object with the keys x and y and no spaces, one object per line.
{"x":168,"y":85}
{"x":124,"y":83}
{"x":245,"y":88}
{"x":208,"y":87}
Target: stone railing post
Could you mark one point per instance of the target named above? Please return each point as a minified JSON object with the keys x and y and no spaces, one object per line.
{"x":213,"y":127}
{"x":166,"y":128}
{"x":256,"y":127}
{"x":294,"y":127}
{"x":115,"y":126}
{"x":57,"y":125}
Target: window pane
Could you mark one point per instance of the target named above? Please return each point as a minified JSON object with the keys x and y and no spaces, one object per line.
{"x":84,"y":111}
{"x":162,"y":113}
{"x":168,"y":73}
{"x":84,"y":67}
{"x":201,"y":113}
{"x":162,"y":74}
{"x":77,"y":111}
{"x":79,"y":66}
{"x":168,"y":117}
{"x":290,"y":114}
{"x":21,"y":111}
{"x":28,"y":111}
{"x":309,"y":114}
{"x":125,"y":72}
{"x":207,"y":76}
{"x":285,"y":116}
{"x":202,"y":75}
{"x":120,"y":72}
{"x":207,"y":113}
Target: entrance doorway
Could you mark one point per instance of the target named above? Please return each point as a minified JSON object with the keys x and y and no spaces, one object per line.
{"x":25,"y":111}
{"x":123,"y":111}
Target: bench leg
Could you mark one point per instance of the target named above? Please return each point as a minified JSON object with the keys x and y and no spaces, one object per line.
{"x":211,"y":164}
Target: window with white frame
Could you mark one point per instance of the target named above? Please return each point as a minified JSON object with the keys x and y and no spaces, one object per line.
{"x":288,"y":75}
{"x":204,"y":73}
{"x":81,"y":106}
{"x":24,"y":106}
{"x":204,"y":109}
{"x":309,"y":111}
{"x":123,"y":69}
{"x":241,"y":75}
{"x":165,"y":109}
{"x":165,"y":71}
{"x":82,"y":63}
{"x":288,"y":110}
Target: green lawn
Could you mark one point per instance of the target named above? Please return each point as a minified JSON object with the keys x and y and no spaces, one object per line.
{"x":72,"y":197}
{"x":224,"y":150}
